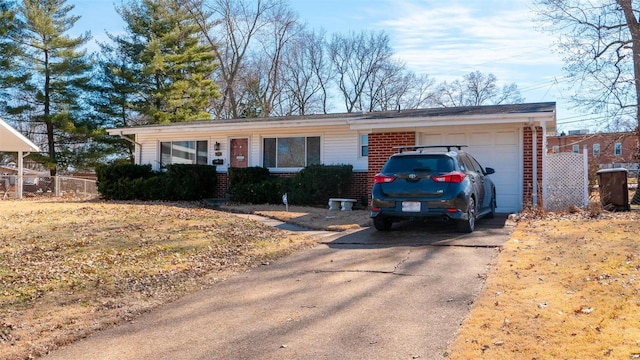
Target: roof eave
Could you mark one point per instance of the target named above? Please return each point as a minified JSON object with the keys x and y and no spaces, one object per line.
{"x":24,"y":144}
{"x":486,"y":119}
{"x":216,"y":126}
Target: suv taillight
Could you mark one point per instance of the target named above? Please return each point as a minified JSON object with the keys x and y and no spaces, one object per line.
{"x":455,"y":177}
{"x":380,"y":178}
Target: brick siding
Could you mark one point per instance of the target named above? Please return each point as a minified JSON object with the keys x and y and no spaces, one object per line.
{"x":607,"y":157}
{"x":527,"y":194}
{"x":381,"y":146}
{"x":360,"y":188}
{"x":222,"y":184}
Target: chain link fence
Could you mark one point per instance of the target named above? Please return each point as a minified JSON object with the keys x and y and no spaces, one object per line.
{"x":52,"y":186}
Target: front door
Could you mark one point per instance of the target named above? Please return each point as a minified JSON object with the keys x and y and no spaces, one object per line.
{"x":239,"y":153}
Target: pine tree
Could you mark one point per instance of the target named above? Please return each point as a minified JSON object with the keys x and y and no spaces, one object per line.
{"x":10,"y":28}
{"x":171,"y":66}
{"x":115,"y":91}
{"x":55,"y":74}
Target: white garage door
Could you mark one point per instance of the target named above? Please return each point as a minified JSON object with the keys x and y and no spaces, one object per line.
{"x":496,"y":148}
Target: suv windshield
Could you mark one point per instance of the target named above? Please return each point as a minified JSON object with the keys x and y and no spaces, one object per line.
{"x":418,"y":164}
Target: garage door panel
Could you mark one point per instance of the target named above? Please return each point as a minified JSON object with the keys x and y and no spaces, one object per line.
{"x":506,"y":138}
{"x":480,"y":139}
{"x":497,"y":149}
{"x":456,"y":138}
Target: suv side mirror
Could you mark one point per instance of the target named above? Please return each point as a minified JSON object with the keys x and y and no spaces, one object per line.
{"x":489,"y":171}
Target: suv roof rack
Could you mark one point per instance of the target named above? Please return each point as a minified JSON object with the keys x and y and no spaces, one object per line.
{"x":419,"y":147}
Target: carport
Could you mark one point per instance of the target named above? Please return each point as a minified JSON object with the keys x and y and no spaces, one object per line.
{"x":13,"y":141}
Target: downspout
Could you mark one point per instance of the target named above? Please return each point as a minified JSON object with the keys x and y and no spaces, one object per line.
{"x":137,"y":147}
{"x":544,"y":152}
{"x":19,"y":179}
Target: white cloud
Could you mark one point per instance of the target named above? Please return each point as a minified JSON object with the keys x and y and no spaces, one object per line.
{"x":455,"y":38}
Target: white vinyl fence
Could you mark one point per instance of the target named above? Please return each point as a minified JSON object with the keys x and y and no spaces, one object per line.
{"x":567,"y":181}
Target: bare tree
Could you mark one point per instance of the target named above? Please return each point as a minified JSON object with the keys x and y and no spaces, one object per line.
{"x":280,"y":30}
{"x":305,"y":75}
{"x":383,"y":87}
{"x":393,"y":87}
{"x":421,"y":94}
{"x":230,"y":27}
{"x":355,"y":59}
{"x":600,"y":42}
{"x":477,"y":89}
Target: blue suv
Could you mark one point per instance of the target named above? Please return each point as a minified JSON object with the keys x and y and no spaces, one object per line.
{"x":420,"y":182}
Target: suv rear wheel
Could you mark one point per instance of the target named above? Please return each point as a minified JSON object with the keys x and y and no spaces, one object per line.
{"x":468,"y":225}
{"x":382,"y":223}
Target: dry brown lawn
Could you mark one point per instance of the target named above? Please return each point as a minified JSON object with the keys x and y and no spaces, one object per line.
{"x":564,"y":286}
{"x":69,"y":269}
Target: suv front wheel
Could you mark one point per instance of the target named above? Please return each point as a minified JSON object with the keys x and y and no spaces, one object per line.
{"x":469,"y":224}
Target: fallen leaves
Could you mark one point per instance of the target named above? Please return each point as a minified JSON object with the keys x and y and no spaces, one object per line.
{"x":583,"y":310}
{"x":564,"y":286}
{"x":67,"y":269}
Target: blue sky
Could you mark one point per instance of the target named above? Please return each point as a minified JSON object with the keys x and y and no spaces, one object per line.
{"x":443,"y":39}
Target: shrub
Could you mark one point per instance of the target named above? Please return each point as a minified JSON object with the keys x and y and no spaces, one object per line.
{"x":255,"y":185}
{"x":315,"y":184}
{"x":114,"y":180}
{"x":191,"y":182}
{"x":138,"y":182}
{"x":249,"y":175}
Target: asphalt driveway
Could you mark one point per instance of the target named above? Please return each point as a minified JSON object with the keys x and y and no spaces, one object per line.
{"x":365,"y":295}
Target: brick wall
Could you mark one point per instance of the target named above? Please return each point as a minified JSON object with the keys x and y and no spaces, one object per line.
{"x":527,"y":196}
{"x":606,"y":141}
{"x":222,"y":184}
{"x":381,"y":146}
{"x":360,"y":188}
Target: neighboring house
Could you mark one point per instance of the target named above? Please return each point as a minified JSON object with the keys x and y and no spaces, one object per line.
{"x":508,"y":138}
{"x":604,"y":150}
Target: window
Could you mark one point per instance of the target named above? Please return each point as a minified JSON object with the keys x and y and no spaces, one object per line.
{"x":576,"y":148}
{"x":617,"y":149}
{"x":291,"y":152}
{"x":183,"y":152}
{"x":555,"y":148}
{"x":596,"y":149}
{"x":472,"y":164}
{"x":364,"y":145}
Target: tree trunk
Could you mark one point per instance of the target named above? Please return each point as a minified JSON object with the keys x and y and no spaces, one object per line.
{"x":634,"y":30}
{"x":47,"y":117}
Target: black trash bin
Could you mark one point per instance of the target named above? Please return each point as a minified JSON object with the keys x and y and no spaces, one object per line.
{"x":614,"y":191}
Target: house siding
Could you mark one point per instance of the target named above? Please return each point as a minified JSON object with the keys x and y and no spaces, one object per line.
{"x":338,"y":146}
{"x":340,"y":135}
